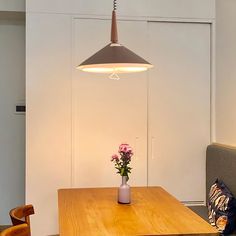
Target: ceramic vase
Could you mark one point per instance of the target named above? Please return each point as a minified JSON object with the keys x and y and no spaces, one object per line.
{"x":124,"y":196}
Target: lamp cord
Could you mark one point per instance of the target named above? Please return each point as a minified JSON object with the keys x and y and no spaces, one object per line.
{"x":114,"y":5}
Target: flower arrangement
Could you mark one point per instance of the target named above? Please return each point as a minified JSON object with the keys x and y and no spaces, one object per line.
{"x":122,"y":162}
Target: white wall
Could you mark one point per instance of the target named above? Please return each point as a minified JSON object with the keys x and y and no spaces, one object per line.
{"x":12,"y":126}
{"x":225,"y":72}
{"x":12,"y":5}
{"x":49,"y":59}
{"x":48,"y":121}
{"x":157,"y":8}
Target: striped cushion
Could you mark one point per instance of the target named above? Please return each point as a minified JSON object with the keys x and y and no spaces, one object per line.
{"x":221,"y":208}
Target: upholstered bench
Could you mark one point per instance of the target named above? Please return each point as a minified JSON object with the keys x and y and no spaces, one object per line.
{"x":221,"y":164}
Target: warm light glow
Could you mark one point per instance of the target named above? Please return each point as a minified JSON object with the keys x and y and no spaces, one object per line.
{"x":97,"y":70}
{"x":117,"y":68}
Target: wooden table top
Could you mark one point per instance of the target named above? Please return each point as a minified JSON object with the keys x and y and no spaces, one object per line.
{"x":153,"y":211}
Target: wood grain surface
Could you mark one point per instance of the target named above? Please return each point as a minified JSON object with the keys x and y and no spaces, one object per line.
{"x":153,"y":211}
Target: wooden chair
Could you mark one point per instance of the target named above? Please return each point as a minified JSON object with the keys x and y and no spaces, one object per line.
{"x":18,"y":230}
{"x":20,"y":215}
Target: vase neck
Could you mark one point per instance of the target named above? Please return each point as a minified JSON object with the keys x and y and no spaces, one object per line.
{"x":124,"y":179}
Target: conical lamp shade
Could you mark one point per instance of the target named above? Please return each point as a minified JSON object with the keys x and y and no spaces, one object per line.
{"x":114,"y":58}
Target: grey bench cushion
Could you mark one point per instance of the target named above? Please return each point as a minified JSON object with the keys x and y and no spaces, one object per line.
{"x":201,"y":211}
{"x":3,"y":227}
{"x":221,"y":164}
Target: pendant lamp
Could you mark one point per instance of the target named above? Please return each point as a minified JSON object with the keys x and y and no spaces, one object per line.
{"x":114,"y":58}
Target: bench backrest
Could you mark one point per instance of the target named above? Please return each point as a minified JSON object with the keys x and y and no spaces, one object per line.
{"x":221,"y":163}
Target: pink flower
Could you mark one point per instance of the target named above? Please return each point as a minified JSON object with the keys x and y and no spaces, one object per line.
{"x":114,"y":158}
{"x":125,"y":148}
{"x":122,"y":162}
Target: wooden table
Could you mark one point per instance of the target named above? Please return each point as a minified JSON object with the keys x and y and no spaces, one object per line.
{"x":153,"y":211}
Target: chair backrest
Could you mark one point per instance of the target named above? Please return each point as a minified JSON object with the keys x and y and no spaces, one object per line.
{"x":18,"y":230}
{"x":20,"y":215}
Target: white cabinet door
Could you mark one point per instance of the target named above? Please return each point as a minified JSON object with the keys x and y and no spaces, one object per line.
{"x":179,"y":107}
{"x":108,"y":112}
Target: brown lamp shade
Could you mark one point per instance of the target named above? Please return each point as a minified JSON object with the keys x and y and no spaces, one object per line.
{"x":114,"y":58}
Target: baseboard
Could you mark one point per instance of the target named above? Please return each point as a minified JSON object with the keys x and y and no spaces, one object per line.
{"x":193,"y":203}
